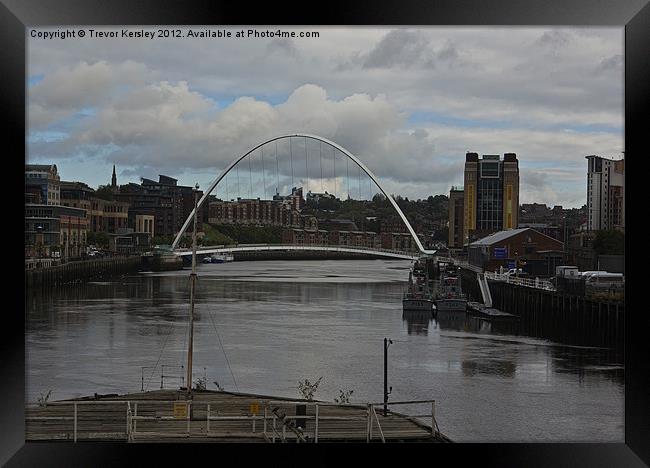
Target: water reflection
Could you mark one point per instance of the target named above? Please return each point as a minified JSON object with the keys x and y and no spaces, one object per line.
{"x":503,"y":368}
{"x":454,"y":321}
{"x":417,"y":322}
{"x":281,"y":322}
{"x":589,"y":363}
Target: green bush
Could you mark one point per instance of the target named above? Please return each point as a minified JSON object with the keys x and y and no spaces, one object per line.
{"x":249,"y":234}
{"x":609,"y":243}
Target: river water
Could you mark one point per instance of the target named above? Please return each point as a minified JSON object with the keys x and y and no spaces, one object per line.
{"x":263,"y":326}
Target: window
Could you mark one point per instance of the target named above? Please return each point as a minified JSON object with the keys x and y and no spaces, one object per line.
{"x":489,"y":169}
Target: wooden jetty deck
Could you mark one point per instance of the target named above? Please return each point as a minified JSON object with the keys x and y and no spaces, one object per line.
{"x":480,"y":310}
{"x":211,"y":416}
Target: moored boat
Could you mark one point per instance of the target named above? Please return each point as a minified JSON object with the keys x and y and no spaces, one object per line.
{"x":218,"y":258}
{"x":449,"y":295}
{"x":418,"y":296}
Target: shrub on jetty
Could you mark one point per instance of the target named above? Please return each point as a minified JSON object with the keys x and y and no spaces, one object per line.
{"x":42,"y":400}
{"x":201,"y":383}
{"x":307,"y":389}
{"x":344,"y":396}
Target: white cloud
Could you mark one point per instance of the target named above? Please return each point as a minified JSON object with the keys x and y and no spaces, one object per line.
{"x":155,"y":105}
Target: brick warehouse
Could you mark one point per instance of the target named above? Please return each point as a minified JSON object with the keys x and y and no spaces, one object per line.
{"x":536,"y":253}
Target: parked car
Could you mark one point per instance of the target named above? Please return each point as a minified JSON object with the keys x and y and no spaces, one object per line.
{"x":605,"y":280}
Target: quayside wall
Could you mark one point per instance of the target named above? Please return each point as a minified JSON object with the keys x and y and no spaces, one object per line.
{"x":77,"y":272}
{"x":564,"y":318}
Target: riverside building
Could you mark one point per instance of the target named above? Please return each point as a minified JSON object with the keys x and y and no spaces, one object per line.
{"x":490,"y":195}
{"x":605,"y":193}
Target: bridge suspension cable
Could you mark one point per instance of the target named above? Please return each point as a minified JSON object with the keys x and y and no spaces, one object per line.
{"x":320,"y":158}
{"x":335,"y":149}
{"x":291,"y":156}
{"x":306,"y":167}
{"x":347,"y":176}
{"x":263,"y":171}
{"x":277,"y":168}
{"x":334,"y":159}
{"x":238,"y":191}
{"x":250,"y":177}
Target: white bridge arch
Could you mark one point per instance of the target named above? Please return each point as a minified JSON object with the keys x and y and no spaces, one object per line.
{"x":317,"y":138}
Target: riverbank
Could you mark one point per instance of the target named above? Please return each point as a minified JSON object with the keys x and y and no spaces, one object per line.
{"x":565,"y":318}
{"x":78,"y":272}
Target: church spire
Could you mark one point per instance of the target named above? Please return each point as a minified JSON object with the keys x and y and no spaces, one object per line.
{"x":114,"y":178}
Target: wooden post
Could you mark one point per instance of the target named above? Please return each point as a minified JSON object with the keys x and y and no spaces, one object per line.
{"x":603,"y":324}
{"x":434,"y":432}
{"x":189,"y":403}
{"x":75,"y":421}
{"x":368,"y":423}
{"x":207,"y":419}
{"x":128,"y":420}
{"x":274,"y":430}
{"x":316,"y":426}
{"x":265,"y":414}
{"x":608,"y":324}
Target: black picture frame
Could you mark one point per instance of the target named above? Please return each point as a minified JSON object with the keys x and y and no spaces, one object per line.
{"x":16,"y":15}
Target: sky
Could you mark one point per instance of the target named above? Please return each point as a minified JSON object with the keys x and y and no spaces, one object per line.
{"x":408,"y":102}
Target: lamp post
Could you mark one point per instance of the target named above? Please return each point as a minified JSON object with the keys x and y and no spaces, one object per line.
{"x":387,"y":392}
{"x":192,"y":288}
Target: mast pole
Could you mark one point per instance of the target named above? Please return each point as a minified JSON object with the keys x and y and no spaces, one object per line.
{"x":192,"y":289}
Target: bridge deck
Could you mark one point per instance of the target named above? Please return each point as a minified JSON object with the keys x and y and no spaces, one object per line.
{"x":298,"y":247}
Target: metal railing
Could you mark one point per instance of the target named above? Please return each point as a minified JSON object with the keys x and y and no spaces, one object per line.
{"x":435,"y":430}
{"x":288,"y":421}
{"x":35,"y":263}
{"x":370,"y":417}
{"x":75,"y":417}
{"x":527,"y":282}
{"x":186,"y":417}
{"x":180,"y":377}
{"x":274,"y":424}
{"x":463,"y":264}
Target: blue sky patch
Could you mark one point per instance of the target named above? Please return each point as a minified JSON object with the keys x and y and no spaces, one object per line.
{"x":34,"y":79}
{"x":420,"y":117}
{"x":46,"y":136}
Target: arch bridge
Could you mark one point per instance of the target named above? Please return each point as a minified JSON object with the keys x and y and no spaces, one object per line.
{"x":340,"y":248}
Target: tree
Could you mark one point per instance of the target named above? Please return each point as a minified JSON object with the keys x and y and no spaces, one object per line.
{"x":378,"y":198}
{"x":163,"y":240}
{"x":609,"y":243}
{"x":99,"y":239}
{"x":104,"y":192}
{"x":329,"y":204}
